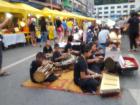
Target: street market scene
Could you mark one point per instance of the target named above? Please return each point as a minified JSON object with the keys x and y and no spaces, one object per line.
{"x":73,"y":52}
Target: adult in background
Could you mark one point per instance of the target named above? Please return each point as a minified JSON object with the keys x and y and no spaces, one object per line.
{"x":2,"y":73}
{"x":115,"y":37}
{"x":133,"y":30}
{"x":85,"y":28}
{"x":44,"y":31}
{"x":64,"y":24}
{"x":70,"y":25}
{"x":59,"y":29}
{"x":89,"y":36}
{"x":103,"y":38}
{"x":51,"y":32}
{"x":32,"y":30}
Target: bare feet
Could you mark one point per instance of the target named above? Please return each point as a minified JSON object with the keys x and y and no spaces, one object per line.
{"x":3,"y":73}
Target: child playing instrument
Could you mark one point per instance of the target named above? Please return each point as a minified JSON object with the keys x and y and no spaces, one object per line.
{"x":47,"y":48}
{"x":40,"y":61}
{"x":57,"y":55}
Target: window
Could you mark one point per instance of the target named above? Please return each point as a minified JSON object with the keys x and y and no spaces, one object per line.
{"x":132,"y":6}
{"x":118,"y":6}
{"x":125,"y":11}
{"x":112,"y":7}
{"x":125,"y":6}
{"x":100,"y":12}
{"x":105,"y":12}
{"x":105,"y":7}
{"x":118,"y":11}
{"x":112,"y":12}
{"x":100,"y":8}
{"x":105,"y":16}
{"x":132,"y":11}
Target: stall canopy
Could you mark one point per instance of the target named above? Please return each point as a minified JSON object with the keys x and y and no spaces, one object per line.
{"x":28,"y":9}
{"x":64,"y":14}
{"x":18,"y":8}
{"x":54,"y":13}
{"x":8,"y":7}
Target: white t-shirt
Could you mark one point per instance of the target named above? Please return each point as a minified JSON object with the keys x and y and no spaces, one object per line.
{"x":103,"y":36}
{"x":78,"y":35}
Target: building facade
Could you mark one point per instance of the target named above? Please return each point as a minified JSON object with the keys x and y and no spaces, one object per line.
{"x":53,"y":4}
{"x":137,"y":4}
{"x":115,"y":11}
{"x":90,"y":7}
{"x":84,"y":7}
{"x":67,"y":5}
{"x":78,"y":6}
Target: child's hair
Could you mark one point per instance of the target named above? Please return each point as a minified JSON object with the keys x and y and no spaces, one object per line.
{"x":70,"y":38}
{"x":40,"y":56}
{"x":85,"y":48}
{"x":56,"y":45}
{"x":91,"y":44}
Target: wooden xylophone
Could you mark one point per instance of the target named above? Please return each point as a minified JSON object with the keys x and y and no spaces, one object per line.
{"x":110,"y":84}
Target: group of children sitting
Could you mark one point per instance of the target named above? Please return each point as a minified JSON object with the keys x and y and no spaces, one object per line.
{"x":88,"y":66}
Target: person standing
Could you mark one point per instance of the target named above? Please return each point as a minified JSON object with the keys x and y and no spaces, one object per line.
{"x":103,"y":38}
{"x":85,"y":29}
{"x":133,"y":30}
{"x":70,"y":25}
{"x":59,"y":29}
{"x":44,"y":31}
{"x":51,"y":31}
{"x":64,"y":24}
{"x":2,"y":73}
{"x":32,"y":32}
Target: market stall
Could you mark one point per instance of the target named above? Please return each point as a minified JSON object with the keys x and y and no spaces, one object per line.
{"x":13,"y":38}
{"x":16,"y":31}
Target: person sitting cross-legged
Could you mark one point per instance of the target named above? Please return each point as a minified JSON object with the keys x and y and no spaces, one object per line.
{"x":40,"y":60}
{"x":58,"y":56}
{"x":47,"y":48}
{"x":86,"y":79}
{"x":68,"y":48}
{"x":96,"y":60}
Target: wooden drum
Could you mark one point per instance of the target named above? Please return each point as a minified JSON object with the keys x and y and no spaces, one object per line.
{"x":68,"y":63}
{"x":43,"y":72}
{"x":70,"y":60}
